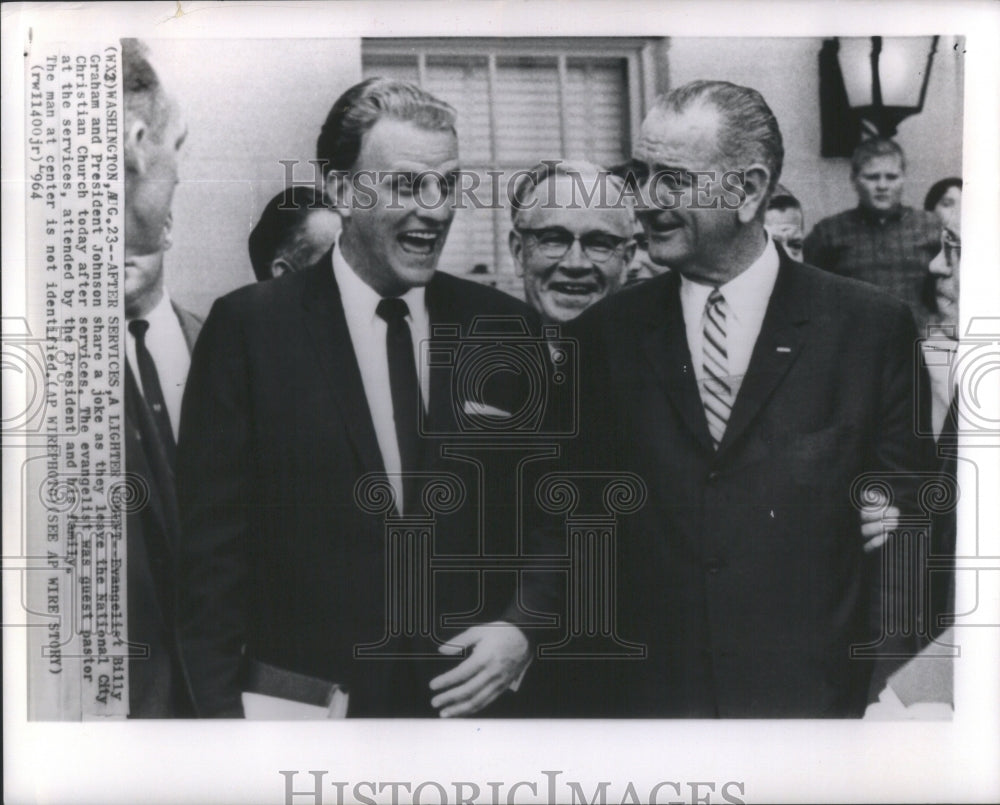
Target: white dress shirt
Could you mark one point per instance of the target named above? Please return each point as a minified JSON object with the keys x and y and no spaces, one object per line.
{"x":168,"y":347}
{"x":368,"y":331}
{"x":939,"y":358}
{"x":747,"y":297}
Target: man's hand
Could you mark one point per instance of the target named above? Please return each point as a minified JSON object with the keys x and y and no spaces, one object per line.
{"x":876,"y":521}
{"x":500,"y":652}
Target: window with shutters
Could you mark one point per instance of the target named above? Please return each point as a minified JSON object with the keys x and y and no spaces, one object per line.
{"x":518,"y":102}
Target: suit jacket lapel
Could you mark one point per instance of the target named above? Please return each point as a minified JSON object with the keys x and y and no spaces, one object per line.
{"x":190,"y":325}
{"x":156,"y":466}
{"x":447,"y":322}
{"x":778,"y":346}
{"x":666,"y":350}
{"x":336,"y":361}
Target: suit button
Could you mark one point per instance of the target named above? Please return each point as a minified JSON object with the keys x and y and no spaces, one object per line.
{"x":713,"y":476}
{"x":713,"y":566}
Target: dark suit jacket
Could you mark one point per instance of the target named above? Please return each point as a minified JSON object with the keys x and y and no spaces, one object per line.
{"x":156,"y":688}
{"x":280,"y":563}
{"x":744,"y":573}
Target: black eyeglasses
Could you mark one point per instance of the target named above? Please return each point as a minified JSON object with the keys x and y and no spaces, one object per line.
{"x":952,"y":245}
{"x":554,"y":242}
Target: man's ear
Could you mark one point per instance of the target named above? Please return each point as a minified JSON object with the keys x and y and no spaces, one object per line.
{"x":279,"y":267}
{"x":136,"y":137}
{"x":756,"y":179}
{"x":516,"y":246}
{"x":338,"y":192}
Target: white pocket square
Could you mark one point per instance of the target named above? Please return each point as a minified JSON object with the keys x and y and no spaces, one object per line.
{"x":473,"y":408}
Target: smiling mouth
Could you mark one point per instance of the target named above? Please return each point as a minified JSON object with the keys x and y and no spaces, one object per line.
{"x":574,"y":288}
{"x":420,"y":242}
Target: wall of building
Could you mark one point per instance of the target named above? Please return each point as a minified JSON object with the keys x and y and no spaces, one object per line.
{"x":248,"y":105}
{"x":786,"y":72}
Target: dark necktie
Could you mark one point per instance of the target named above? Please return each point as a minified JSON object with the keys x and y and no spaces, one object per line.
{"x":151,"y":389}
{"x":405,"y":389}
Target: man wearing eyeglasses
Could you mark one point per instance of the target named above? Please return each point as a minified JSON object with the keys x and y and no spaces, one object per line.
{"x":572,"y":239}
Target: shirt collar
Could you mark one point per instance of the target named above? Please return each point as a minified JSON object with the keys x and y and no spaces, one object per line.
{"x":160,"y":315}
{"x":873,"y":217}
{"x":746,"y":294}
{"x":751,"y":291}
{"x":359,"y":298}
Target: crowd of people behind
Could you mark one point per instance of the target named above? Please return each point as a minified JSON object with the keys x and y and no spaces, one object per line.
{"x":729,"y":362}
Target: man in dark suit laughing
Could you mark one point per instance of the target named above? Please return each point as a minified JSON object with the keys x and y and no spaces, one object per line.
{"x":299,"y":388}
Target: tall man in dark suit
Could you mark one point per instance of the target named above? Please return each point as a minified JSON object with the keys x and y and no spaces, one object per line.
{"x":299,"y":388}
{"x":749,"y":392}
{"x":158,"y":343}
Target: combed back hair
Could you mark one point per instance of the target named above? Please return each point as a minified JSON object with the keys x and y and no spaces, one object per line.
{"x":280,"y":226}
{"x":876,"y":147}
{"x":524,"y":188}
{"x":783,"y":199}
{"x":748,"y":130}
{"x":938,"y":189}
{"x":364,"y":104}
{"x":145,"y":98}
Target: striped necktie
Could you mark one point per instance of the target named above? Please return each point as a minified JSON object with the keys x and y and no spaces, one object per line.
{"x":716,"y":388}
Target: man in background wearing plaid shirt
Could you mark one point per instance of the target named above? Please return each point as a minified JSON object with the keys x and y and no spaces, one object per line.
{"x":880,"y":241}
